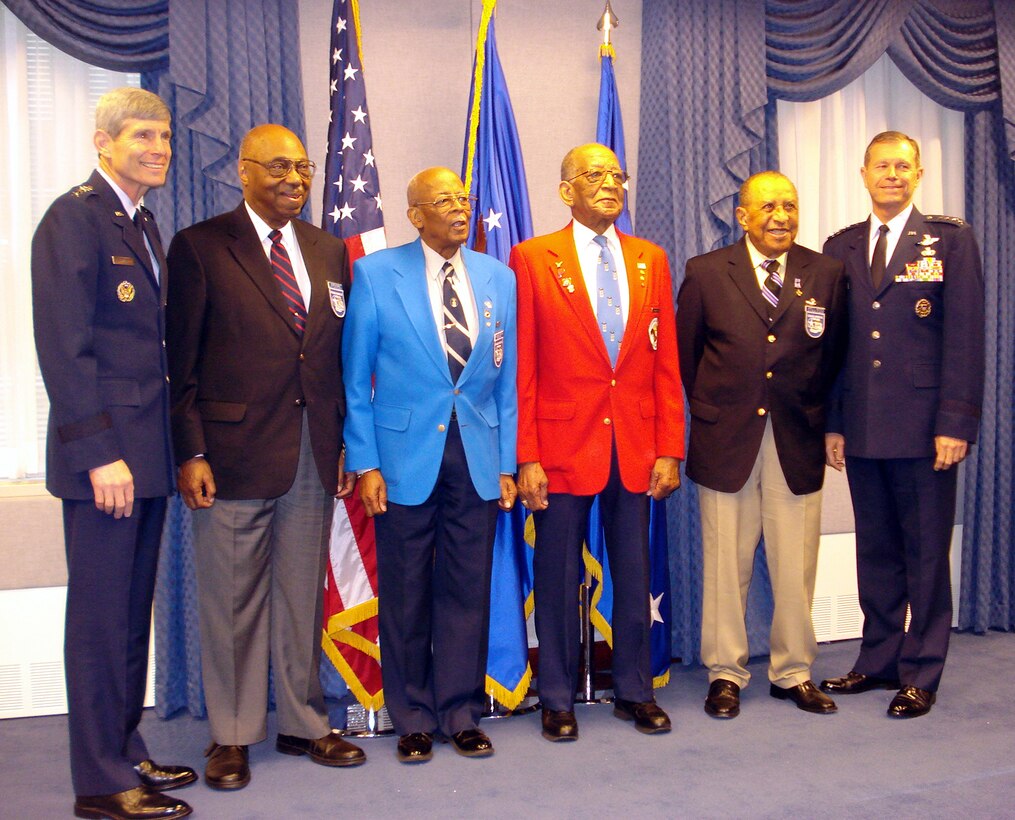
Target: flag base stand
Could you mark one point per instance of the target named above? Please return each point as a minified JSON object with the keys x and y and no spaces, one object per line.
{"x":362,"y":722}
{"x":587,"y":694}
{"x":495,"y":710}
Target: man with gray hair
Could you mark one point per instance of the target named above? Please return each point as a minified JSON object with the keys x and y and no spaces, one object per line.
{"x":99,"y":294}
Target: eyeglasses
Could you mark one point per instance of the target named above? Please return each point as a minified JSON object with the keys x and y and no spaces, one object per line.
{"x":446,"y":203}
{"x":279,"y":168}
{"x":596,"y":177}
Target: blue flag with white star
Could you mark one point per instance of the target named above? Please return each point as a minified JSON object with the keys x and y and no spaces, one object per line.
{"x":493,"y":169}
{"x":493,"y":172}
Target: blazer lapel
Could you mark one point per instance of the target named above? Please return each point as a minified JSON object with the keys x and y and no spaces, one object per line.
{"x":744,"y":277}
{"x":317,"y":271}
{"x":483,"y":294}
{"x":247,"y":251}
{"x":411,"y":287}
{"x":796,"y":271}
{"x":563,"y":267}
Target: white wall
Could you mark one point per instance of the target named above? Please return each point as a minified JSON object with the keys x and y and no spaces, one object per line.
{"x":417,"y":57}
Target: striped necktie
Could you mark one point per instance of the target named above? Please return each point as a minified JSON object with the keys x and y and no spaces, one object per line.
{"x":282,"y":268}
{"x":772,"y":286}
{"x":456,"y":331}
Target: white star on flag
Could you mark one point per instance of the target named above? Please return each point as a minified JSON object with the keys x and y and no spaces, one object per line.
{"x":348,"y":140}
{"x":654,"y":606}
{"x":359,"y":115}
{"x":347,"y":211}
{"x":492,"y":220}
{"x":350,"y":72}
{"x":340,"y":25}
{"x":368,"y":157}
{"x":336,"y":55}
{"x":335,"y":214}
{"x":359,"y":184}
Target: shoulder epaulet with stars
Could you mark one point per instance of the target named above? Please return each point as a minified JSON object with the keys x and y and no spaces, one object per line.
{"x":951,"y":220}
{"x":847,"y":228}
{"x":81,"y":190}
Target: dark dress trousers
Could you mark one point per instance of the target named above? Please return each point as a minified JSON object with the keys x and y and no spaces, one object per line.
{"x":99,"y":328}
{"x":914,"y":371}
{"x":264,"y":404}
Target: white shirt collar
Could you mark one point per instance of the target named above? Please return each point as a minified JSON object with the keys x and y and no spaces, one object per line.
{"x":584,"y":235}
{"x":435,"y":262}
{"x":895,"y":224}
{"x":126,"y":201}
{"x":758,"y":258}
{"x":262,"y":228}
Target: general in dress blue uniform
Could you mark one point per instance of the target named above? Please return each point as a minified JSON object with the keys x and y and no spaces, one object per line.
{"x":908,"y":409}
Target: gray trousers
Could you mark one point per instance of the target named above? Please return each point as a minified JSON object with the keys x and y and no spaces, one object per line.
{"x":260,"y":578}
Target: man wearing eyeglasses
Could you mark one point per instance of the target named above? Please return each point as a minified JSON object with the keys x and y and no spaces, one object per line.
{"x":429,"y":365}
{"x":599,"y":413}
{"x":256,"y":306}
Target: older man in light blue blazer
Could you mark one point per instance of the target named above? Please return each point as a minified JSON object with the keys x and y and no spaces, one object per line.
{"x":429,"y":363}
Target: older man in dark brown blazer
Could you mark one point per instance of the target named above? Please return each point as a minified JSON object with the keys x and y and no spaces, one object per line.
{"x":760,"y":329}
{"x":256,"y":306}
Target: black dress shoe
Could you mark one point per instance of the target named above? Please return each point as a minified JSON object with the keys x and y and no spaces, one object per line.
{"x":648,"y":717}
{"x":723,"y":700}
{"x":330,"y":750}
{"x":806,"y":696}
{"x":163,"y":778}
{"x":138,"y":803}
{"x":559,"y":725}
{"x":227,"y":768}
{"x":472,"y":743}
{"x":911,"y":702}
{"x":416,"y":747}
{"x":854,"y":683}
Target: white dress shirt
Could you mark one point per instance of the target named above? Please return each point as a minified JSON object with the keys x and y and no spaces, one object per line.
{"x":895,"y":227}
{"x":463,"y":287}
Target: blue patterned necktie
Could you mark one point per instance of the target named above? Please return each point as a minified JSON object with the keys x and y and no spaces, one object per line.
{"x":608,"y":313}
{"x":456,"y":331}
{"x":772,"y":286}
{"x":282,"y":268}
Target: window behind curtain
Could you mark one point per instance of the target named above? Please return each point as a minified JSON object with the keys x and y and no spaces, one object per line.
{"x":47,"y":101}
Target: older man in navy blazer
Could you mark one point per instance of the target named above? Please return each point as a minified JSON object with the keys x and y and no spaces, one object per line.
{"x":429,"y":366}
{"x":909,"y":410}
{"x":99,"y":294}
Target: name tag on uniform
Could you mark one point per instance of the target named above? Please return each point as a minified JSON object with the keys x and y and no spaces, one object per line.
{"x":498,"y":348}
{"x":123,"y":260}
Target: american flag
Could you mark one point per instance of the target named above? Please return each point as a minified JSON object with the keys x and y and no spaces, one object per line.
{"x":352,"y":210}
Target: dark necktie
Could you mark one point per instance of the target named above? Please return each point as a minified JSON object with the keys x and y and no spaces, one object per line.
{"x":878,"y":261}
{"x":282,"y":268}
{"x":148,"y":243}
{"x":772,"y":286}
{"x":608,"y":312}
{"x":456,"y":332}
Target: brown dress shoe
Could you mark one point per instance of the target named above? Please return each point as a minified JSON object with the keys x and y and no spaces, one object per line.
{"x":854,"y":683}
{"x":227,"y":768}
{"x":163,"y":778}
{"x":648,"y":717}
{"x":723,"y":700}
{"x":415,"y":747}
{"x":911,"y":702}
{"x":559,"y":725}
{"x":806,"y":696}
{"x":138,"y":803}
{"x":330,"y":750}
{"x":472,"y":743}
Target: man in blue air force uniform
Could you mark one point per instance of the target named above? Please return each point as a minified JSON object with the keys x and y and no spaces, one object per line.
{"x":429,"y":366}
{"x":99,"y":295}
{"x":908,"y":411}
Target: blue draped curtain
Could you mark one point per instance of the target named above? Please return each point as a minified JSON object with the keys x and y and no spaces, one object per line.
{"x":222,"y":66}
{"x":711,"y":72}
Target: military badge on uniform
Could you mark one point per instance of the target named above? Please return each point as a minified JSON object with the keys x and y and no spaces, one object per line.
{"x":814,"y":319}
{"x":653,"y":333}
{"x":336,"y":294}
{"x":926,"y":269}
{"x":122,"y":260}
{"x":125,"y":291}
{"x":565,"y":281}
{"x":922,"y":308}
{"x":498,"y":348}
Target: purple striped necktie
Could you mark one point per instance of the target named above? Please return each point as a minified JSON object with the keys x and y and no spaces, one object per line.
{"x":282,"y":268}
{"x":771,"y":288}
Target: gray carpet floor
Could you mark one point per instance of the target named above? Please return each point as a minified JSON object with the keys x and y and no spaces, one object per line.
{"x":772,"y":761}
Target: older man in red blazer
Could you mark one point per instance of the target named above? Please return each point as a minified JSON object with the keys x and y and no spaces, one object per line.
{"x":599,"y":413}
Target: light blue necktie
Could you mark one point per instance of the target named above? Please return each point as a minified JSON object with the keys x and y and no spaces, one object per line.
{"x":608,"y":313}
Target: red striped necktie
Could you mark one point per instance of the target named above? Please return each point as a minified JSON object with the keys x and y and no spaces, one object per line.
{"x":282,"y":268}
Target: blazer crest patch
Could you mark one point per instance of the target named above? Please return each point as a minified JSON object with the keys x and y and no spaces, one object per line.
{"x":336,"y":295}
